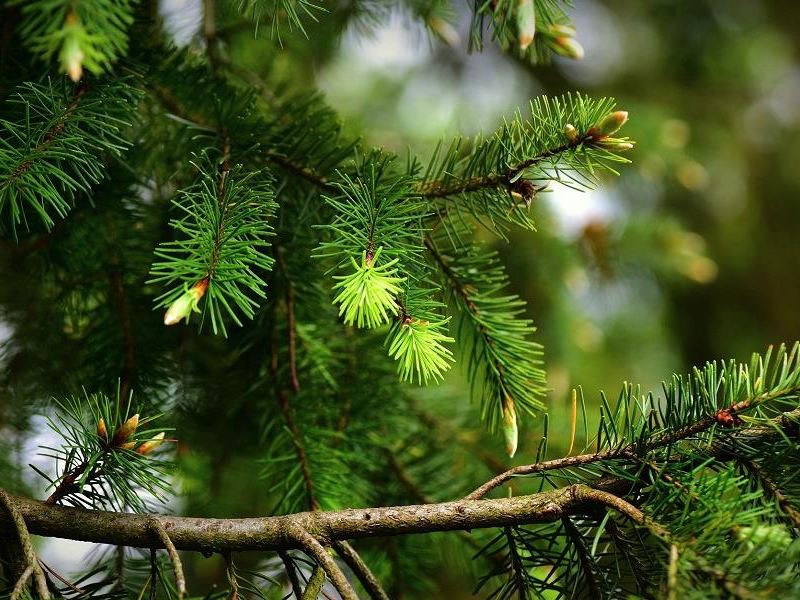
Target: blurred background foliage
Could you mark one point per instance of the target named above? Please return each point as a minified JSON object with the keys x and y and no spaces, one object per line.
{"x":692,"y":254}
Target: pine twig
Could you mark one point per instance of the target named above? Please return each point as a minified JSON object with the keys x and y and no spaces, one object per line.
{"x":153,"y":575}
{"x":772,"y":489}
{"x":584,"y":556}
{"x":319,"y":553}
{"x":34,"y":568}
{"x":233,"y":582}
{"x":291,"y":573}
{"x":361,"y":570}
{"x":61,"y":578}
{"x":621,"y":543}
{"x":315,"y":584}
{"x":630,"y":451}
{"x":291,"y":324}
{"x":20,"y":585}
{"x":177,"y":566}
{"x":291,"y":424}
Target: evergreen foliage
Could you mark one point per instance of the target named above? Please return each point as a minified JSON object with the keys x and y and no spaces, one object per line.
{"x":54,"y":144}
{"x":223,"y":229}
{"x":131,"y":200}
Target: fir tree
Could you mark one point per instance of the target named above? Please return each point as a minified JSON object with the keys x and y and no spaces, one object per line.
{"x":210,"y":285}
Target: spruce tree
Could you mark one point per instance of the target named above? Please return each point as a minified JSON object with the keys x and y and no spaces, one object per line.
{"x":223,"y":306}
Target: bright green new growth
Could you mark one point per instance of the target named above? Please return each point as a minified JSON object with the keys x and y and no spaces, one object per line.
{"x":418,"y":347}
{"x":88,"y":34}
{"x":366,"y":297}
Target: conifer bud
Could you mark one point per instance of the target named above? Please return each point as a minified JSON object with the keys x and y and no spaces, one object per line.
{"x":71,"y":54}
{"x":526,"y":23}
{"x":186,"y":303}
{"x":102,"y":430}
{"x":561,"y":30}
{"x":510,"y":429}
{"x":609,"y":124}
{"x":568,"y":46}
{"x":444,"y":30}
{"x":126,"y":430}
{"x":571,"y":133}
{"x":150,"y":445}
{"x":126,"y":446}
{"x":524,"y":190}
{"x":616,"y":145}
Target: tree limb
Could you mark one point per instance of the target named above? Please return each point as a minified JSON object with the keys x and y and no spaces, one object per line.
{"x":274,"y":533}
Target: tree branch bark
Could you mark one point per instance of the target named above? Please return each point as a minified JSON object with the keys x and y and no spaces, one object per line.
{"x":276,"y":533}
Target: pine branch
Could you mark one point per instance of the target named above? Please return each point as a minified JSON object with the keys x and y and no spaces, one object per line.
{"x":503,"y":362}
{"x":787,"y":385}
{"x":566,"y":140}
{"x":88,"y":34}
{"x":766,"y":483}
{"x":588,"y":569}
{"x":56,"y":146}
{"x":223,"y":235}
{"x":291,"y":573}
{"x":531,"y":30}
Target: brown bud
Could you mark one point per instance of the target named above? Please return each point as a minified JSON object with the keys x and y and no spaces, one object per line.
{"x":126,"y":446}
{"x":524,"y":190}
{"x":126,"y":430}
{"x":102,"y":431}
{"x":150,"y":445}
{"x":571,"y":133}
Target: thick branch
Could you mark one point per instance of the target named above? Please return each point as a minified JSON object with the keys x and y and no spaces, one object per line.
{"x":275,"y":533}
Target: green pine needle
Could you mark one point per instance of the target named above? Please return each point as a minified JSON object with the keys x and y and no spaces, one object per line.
{"x":222,"y":232}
